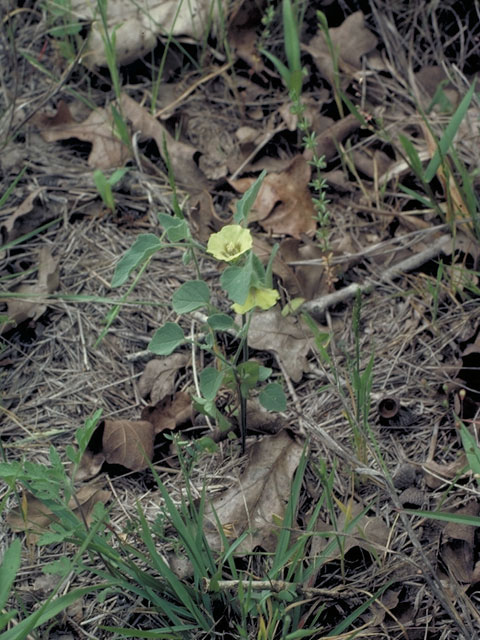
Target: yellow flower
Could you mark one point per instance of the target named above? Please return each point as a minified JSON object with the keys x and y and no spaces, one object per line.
{"x":263,"y":298}
{"x":230,"y":242}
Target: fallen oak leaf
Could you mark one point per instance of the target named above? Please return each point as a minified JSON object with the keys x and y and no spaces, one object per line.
{"x":108,"y":150}
{"x":457,"y":545}
{"x":351,"y":40}
{"x":128,"y":443}
{"x":158,"y":378}
{"x":180,"y":154}
{"x":284,"y":202}
{"x":21,"y":309}
{"x":288,"y":338}
{"x":257,"y":502}
{"x":8,"y":230}
{"x":138,"y":24}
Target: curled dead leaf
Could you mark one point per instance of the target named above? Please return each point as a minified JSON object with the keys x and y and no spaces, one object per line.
{"x":158,"y":378}
{"x":169,"y":413}
{"x":432,"y":470}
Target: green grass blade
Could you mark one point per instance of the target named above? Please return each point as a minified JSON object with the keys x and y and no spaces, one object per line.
{"x":48,"y":611}
{"x":8,"y":570}
{"x":292,"y":42}
{"x":11,"y":187}
{"x":340,"y":628}
{"x":448,"y":136}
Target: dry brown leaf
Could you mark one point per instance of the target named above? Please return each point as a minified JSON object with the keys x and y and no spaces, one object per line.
{"x":203,"y":217}
{"x":328,"y":138}
{"x":128,"y":443}
{"x":263,"y":250}
{"x":8,"y":228}
{"x":138,"y":24}
{"x":312,"y":279}
{"x":107,"y":150}
{"x":284,"y":203}
{"x":19,"y":310}
{"x":168,"y":413}
{"x":429,"y":77}
{"x":35,"y":518}
{"x":181,"y":154}
{"x":373,"y":163}
{"x":457,"y":545}
{"x":446,"y":471}
{"x":158,"y":378}
{"x":257,"y":503}
{"x":368,"y":533}
{"x":287,"y":337}
{"x":90,"y":465}
{"x":351,"y":40}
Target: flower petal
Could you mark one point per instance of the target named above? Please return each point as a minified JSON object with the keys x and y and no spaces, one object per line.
{"x":230,"y":242}
{"x":263,"y":298}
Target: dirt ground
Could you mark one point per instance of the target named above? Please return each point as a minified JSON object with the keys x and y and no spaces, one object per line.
{"x":232,"y":114}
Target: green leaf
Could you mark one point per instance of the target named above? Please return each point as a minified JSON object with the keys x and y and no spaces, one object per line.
{"x":264,"y":373}
{"x":61,"y":566}
{"x":273,"y":398}
{"x":142,"y":249}
{"x":210,"y":382}
{"x":248,"y":373}
{"x":471,"y":449}
{"x":412,"y":155}
{"x":190,"y":296}
{"x":117,"y":175}
{"x":220,"y":321}
{"x":247,"y":200}
{"x":166,"y":339}
{"x":448,"y":136}
{"x":177,"y":229}
{"x":8,"y":570}
{"x":291,"y":40}
{"x":236,"y":282}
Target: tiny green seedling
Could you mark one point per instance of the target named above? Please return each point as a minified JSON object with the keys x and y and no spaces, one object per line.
{"x":104,"y":185}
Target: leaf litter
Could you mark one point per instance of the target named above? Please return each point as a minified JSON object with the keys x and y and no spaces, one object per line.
{"x":53,"y":382}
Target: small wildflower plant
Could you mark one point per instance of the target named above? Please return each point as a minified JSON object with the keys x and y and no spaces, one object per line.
{"x":292,"y":75}
{"x":247,"y":284}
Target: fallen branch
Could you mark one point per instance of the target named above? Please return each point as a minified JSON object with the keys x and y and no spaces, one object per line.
{"x":318,"y":306}
{"x":277,"y":586}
